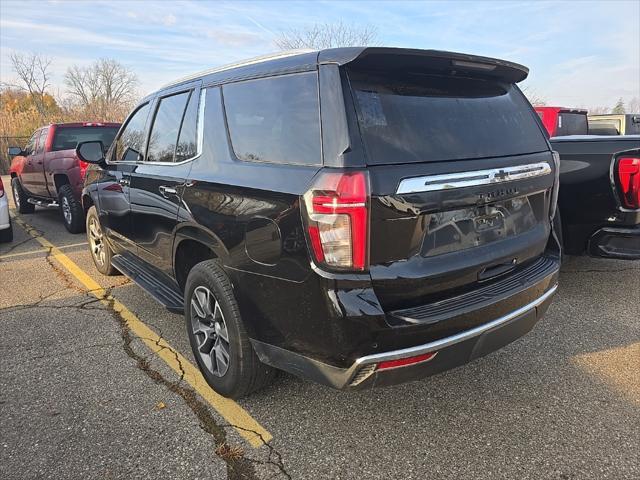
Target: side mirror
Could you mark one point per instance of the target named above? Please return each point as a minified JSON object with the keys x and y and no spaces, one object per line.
{"x":90,"y":152}
{"x":14,"y":151}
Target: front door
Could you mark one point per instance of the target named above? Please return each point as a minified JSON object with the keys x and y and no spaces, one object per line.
{"x":123,"y":158}
{"x":37,"y":180}
{"x":157,"y":184}
{"x":27,"y":176}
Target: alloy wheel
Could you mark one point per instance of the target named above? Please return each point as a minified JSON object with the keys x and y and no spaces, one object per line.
{"x":96,"y":241}
{"x":16,"y":197}
{"x":210,"y":330}
{"x":66,"y":210}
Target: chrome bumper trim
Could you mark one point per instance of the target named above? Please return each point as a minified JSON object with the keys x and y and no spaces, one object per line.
{"x":448,"y":341}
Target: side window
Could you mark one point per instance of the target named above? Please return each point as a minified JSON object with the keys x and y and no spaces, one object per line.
{"x":43,"y":139}
{"x":188,"y":140}
{"x":166,"y":127}
{"x":275,"y":120}
{"x":128,"y":147}
{"x":31,"y":144}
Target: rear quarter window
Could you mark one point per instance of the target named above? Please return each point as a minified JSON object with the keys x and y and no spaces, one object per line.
{"x":428,"y":118}
{"x":275,"y":120}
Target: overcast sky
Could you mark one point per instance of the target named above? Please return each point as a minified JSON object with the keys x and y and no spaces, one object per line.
{"x":580,"y":53}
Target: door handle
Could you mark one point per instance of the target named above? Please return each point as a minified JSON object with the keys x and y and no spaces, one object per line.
{"x":166,"y":191}
{"x":125,"y":182}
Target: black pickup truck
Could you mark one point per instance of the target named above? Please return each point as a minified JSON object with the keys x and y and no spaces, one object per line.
{"x":599,"y":195}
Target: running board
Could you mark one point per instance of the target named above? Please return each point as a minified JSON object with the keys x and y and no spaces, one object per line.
{"x":150,"y":281}
{"x":43,"y":203}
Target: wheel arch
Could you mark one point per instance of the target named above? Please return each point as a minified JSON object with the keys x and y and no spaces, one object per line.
{"x":191,"y":246}
{"x":60,"y":179}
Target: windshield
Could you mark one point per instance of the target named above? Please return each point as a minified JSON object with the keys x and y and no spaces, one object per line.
{"x":67,"y":138}
{"x":429,"y":118}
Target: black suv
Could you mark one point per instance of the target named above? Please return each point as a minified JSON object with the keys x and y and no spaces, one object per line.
{"x":354,"y":216}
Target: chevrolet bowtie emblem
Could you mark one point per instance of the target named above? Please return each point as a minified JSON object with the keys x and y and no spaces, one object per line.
{"x":501,"y":175}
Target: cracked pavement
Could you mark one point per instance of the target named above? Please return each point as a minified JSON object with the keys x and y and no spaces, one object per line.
{"x":80,"y":397}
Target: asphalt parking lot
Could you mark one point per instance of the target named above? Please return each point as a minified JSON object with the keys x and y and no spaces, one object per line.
{"x":97,"y":381}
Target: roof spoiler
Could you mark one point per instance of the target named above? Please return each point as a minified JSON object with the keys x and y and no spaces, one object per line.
{"x":427,"y":61}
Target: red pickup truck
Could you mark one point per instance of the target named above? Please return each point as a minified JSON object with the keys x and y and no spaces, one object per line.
{"x":561,"y":122}
{"x":48,"y":173}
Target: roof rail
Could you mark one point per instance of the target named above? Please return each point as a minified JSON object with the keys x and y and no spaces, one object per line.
{"x":243,"y":63}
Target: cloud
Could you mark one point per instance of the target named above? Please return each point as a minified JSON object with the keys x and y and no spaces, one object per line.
{"x":169,"y":20}
{"x":165,"y":40}
{"x":232,"y":38}
{"x":64,"y":34}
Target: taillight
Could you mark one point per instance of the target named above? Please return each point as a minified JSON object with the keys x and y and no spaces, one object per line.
{"x":338,"y":219}
{"x":83,"y":168}
{"x":1,"y":188}
{"x":629,"y":178}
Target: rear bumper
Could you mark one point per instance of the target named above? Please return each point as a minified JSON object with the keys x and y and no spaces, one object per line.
{"x":451,"y":351}
{"x":4,"y":211}
{"x":616,"y":242}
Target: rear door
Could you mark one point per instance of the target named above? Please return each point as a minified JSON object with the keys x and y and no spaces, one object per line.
{"x":461,"y":179}
{"x":158,"y":182}
{"x":124,"y":157}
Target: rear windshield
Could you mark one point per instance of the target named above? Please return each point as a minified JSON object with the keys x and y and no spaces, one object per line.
{"x":572,"y":124}
{"x":430,"y":118}
{"x":66,"y":138}
{"x":604,"y":127}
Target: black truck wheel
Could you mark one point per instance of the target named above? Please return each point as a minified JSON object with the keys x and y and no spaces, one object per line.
{"x":20,"y":197}
{"x":71,"y":210}
{"x":217,"y":334}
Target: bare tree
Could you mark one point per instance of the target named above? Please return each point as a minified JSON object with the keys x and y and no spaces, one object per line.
{"x":34,"y":78}
{"x":598,"y":110}
{"x":103,"y":89}
{"x":328,"y":35}
{"x":533,"y":97}
{"x":633,"y":105}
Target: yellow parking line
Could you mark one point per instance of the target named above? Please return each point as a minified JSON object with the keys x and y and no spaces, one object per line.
{"x":233,"y":413}
{"x":41,"y":250}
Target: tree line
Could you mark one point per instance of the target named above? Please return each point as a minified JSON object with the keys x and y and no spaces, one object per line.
{"x":103,"y":91}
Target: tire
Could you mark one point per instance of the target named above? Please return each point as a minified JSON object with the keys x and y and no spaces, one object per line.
{"x":244,"y":372}
{"x":20,"y":197}
{"x":71,"y":210}
{"x":6,"y":235}
{"x":99,"y":248}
